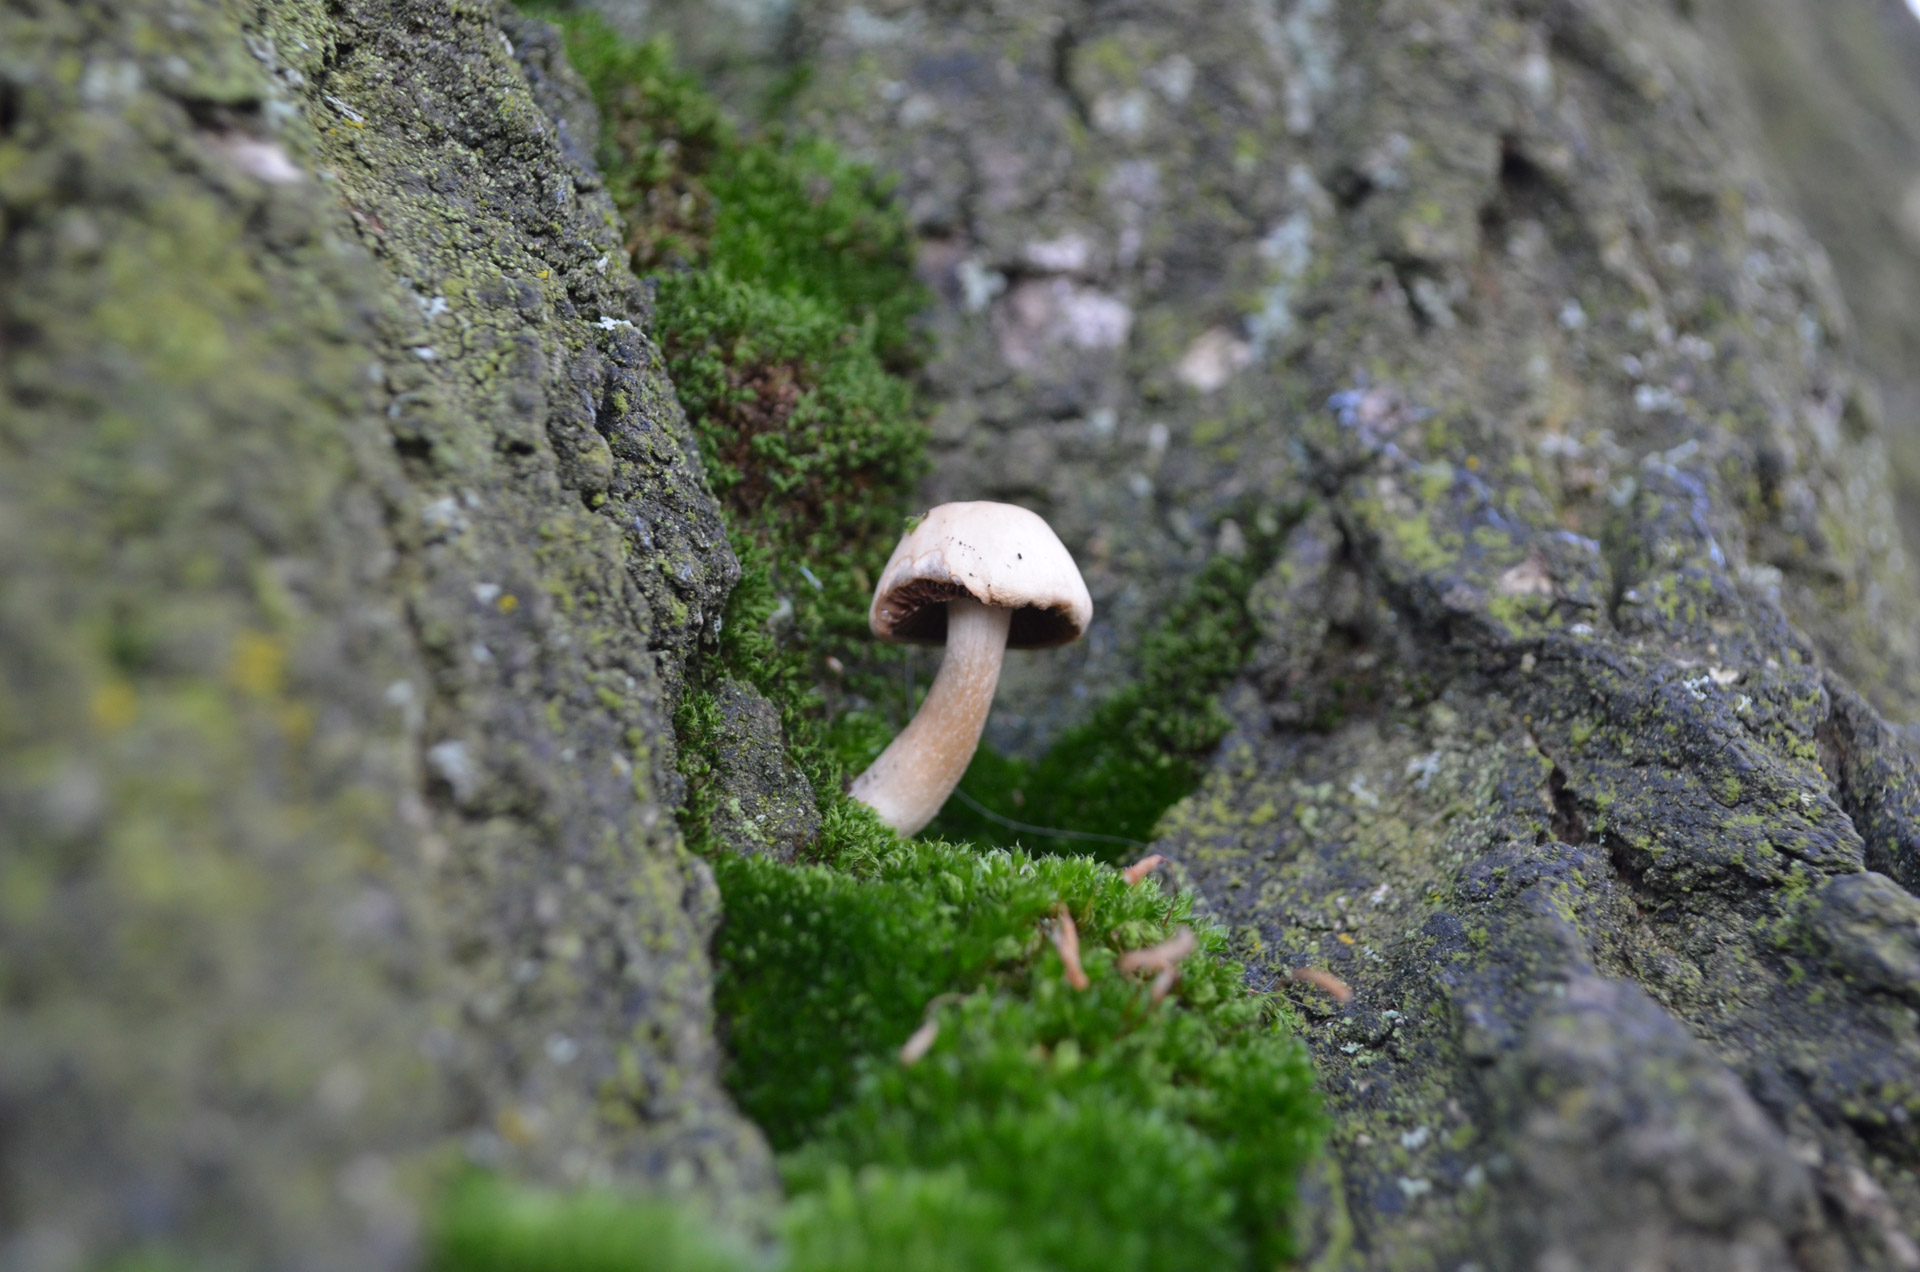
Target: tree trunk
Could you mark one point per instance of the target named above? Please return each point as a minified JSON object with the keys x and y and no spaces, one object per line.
{"x":352,"y":549}
{"x":1561,"y":745}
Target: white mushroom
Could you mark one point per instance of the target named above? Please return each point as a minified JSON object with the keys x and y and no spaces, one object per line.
{"x":982,"y":578}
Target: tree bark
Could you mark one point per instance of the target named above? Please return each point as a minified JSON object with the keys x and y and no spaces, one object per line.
{"x":1564,"y":742}
{"x":1836,"y":90}
{"x":351,"y":550}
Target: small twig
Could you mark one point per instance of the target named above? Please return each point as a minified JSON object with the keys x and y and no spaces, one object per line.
{"x":921,"y":1041}
{"x":1142,"y":868}
{"x":915,"y":1048}
{"x":1320,"y":978}
{"x":1066,"y":940}
{"x":1163,"y":960}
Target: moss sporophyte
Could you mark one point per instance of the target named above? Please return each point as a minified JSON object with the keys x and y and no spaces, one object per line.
{"x":967,"y":1054}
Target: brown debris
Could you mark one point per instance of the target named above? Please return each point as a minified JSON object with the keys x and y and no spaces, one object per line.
{"x":1140,"y":869}
{"x":1066,"y":939}
{"x":1163,"y":960}
{"x":915,"y":1049}
{"x":1320,"y":978}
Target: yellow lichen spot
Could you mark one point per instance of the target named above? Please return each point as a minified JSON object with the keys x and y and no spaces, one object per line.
{"x":1346,"y":938}
{"x":514,"y":1127}
{"x":508,"y":603}
{"x":544,"y":273}
{"x":24,"y":891}
{"x":114,"y":706}
{"x":1473,"y":463}
{"x":258,"y":664}
{"x":295,"y":720}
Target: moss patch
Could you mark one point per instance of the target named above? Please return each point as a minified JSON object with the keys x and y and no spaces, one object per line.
{"x":1112,"y":1131}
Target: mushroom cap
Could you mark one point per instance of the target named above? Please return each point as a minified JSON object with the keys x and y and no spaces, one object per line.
{"x":997,"y":553}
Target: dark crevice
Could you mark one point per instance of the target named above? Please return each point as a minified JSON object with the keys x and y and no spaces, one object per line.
{"x":1834,"y":743}
{"x":1620,"y":550}
{"x":1405,"y":274}
{"x":1350,"y":188}
{"x":1872,"y":779}
{"x":1569,"y":827}
{"x":1521,"y":178}
{"x":1632,"y":872}
{"x":1770,"y":470}
{"x":1063,"y":47}
{"x":1524,"y":189}
{"x":10,"y":111}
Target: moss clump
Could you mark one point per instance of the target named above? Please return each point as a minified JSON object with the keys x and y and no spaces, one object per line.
{"x":874,"y":1221}
{"x":488,"y":1227}
{"x":1109,"y":1131}
{"x":810,"y":443}
{"x":1046,"y":1128}
{"x":789,"y":214}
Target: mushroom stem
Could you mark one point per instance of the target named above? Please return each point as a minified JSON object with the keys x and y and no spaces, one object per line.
{"x":919,"y":769}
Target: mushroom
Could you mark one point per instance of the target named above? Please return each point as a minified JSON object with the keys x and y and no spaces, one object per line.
{"x":982,"y":578}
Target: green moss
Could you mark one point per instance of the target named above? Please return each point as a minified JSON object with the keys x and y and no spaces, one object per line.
{"x":1115,"y":1132}
{"x":874,"y":1221}
{"x":913,"y":1221}
{"x":810,"y":442}
{"x":486,"y":1227}
{"x":788,"y":214}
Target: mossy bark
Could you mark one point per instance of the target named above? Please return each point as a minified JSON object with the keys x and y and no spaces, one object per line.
{"x":353,"y":549}
{"x":1566,"y":741}
{"x":352,"y":546}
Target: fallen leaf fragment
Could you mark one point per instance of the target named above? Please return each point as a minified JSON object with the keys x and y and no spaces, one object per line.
{"x":1320,"y":978}
{"x":1066,"y":939}
{"x":1163,"y":960}
{"x":1140,"y":869}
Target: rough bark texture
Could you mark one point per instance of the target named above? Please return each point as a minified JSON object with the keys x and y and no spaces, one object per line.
{"x":1562,"y":743}
{"x":351,"y":548}
{"x":1836,"y":89}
